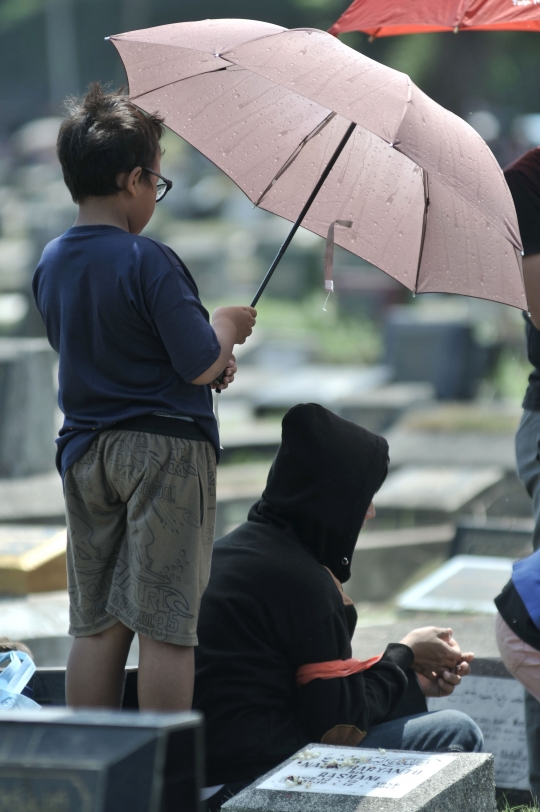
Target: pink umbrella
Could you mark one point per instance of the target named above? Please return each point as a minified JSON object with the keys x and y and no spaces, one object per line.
{"x":318,"y":133}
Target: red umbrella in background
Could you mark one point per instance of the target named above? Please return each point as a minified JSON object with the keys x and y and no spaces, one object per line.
{"x":387,"y":18}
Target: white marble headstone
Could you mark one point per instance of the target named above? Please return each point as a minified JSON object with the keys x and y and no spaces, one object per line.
{"x":337,"y":771}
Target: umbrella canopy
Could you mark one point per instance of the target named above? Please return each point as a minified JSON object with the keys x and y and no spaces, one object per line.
{"x":415,"y":191}
{"x":387,"y":18}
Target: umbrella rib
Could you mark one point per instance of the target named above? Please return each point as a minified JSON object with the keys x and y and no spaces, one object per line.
{"x":465,"y":6}
{"x":298,"y":222}
{"x":177,"y":81}
{"x":404,"y":111}
{"x":424,"y":225}
{"x":295,"y":154}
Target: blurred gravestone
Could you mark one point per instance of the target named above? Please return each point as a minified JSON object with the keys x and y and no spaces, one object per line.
{"x":100,"y":760}
{"x":365,"y":291}
{"x":422,"y":494}
{"x":495,"y":700}
{"x":443,"y":352}
{"x":504,"y":536}
{"x":384,"y":560}
{"x":27,"y":404}
{"x":465,"y":583}
{"x":32,"y":559}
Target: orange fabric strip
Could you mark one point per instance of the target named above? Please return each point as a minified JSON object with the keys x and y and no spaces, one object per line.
{"x":332,"y":669}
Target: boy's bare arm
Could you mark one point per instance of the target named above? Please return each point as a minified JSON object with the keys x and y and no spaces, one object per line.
{"x":232,"y":326}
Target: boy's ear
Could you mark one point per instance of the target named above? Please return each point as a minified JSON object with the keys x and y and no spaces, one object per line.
{"x":128,"y":181}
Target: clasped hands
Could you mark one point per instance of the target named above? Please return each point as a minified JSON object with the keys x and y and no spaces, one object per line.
{"x":438,"y":660}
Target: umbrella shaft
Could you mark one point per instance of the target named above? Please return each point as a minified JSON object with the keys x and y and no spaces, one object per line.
{"x":328,"y":168}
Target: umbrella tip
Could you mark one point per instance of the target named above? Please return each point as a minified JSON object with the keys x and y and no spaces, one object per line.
{"x":456,"y":29}
{"x":106,"y":38}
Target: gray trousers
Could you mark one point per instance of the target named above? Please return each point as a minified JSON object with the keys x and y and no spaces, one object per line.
{"x":528,"y":468}
{"x":528,"y":463}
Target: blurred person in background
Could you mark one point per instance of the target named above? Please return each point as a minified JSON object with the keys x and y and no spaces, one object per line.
{"x":523,"y":178}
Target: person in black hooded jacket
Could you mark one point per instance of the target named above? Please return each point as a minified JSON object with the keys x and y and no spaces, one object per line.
{"x":273,"y":667}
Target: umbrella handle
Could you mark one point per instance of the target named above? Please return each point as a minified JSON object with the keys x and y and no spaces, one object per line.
{"x":298,"y":222}
{"x":328,"y":168}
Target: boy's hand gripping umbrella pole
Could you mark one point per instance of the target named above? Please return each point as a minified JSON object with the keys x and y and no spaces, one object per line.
{"x":298,"y":222}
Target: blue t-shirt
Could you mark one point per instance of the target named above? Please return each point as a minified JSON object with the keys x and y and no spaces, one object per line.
{"x":526,"y":578}
{"x":124,"y":314}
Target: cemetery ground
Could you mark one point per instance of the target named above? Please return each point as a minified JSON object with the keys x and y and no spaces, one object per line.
{"x":451,"y":516}
{"x":430,"y":514}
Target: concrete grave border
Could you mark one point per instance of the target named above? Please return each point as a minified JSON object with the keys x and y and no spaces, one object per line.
{"x":467,"y":783}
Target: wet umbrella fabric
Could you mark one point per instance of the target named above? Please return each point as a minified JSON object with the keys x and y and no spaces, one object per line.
{"x":421,"y":194}
{"x":386,"y":18}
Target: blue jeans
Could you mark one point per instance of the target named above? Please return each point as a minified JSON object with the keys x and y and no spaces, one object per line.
{"x":445,"y":731}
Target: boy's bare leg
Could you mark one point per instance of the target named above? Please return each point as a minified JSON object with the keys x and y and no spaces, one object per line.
{"x":166,"y":675}
{"x":95,"y":668}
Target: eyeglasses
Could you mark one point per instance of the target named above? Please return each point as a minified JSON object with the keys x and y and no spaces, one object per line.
{"x":163,"y":185}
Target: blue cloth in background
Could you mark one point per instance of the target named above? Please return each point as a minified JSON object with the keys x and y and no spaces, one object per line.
{"x":124,"y":314}
{"x":526,"y":579}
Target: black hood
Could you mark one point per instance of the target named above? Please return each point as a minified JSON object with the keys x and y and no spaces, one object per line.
{"x":321,"y":483}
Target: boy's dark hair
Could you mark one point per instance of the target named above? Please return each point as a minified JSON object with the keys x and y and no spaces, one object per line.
{"x":102,"y":135}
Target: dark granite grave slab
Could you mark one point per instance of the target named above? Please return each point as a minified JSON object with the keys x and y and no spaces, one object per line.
{"x":467,"y":783}
{"x":504,"y":536}
{"x":101,"y":761}
{"x":49,"y":687}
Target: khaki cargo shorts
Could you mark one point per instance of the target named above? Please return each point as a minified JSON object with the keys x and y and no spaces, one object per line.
{"x":140,"y":512}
